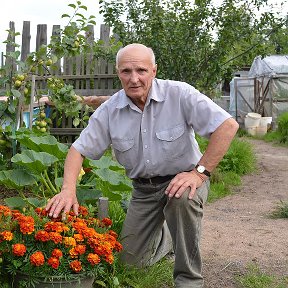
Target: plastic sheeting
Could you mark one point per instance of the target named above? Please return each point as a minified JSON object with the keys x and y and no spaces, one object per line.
{"x":244,"y":97}
{"x":269,"y":66}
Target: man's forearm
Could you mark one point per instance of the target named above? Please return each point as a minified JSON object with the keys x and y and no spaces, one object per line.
{"x":72,"y":167}
{"x":219,"y":143}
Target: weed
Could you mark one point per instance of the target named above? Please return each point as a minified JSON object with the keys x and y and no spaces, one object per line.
{"x":255,"y":278}
{"x":281,"y":211}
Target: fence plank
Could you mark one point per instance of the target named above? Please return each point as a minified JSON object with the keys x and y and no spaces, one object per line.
{"x":26,"y":37}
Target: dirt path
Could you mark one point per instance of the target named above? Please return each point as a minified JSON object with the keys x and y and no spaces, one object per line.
{"x":237,"y":230}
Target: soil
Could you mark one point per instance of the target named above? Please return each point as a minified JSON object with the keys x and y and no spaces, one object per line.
{"x":238,"y":230}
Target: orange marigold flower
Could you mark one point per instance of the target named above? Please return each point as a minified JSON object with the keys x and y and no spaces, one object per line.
{"x":80,"y":249}
{"x":18,"y":249}
{"x":109,"y":258}
{"x":73,"y":253}
{"x":57,"y":253}
{"x":26,"y":224}
{"x":55,"y":237}
{"x":41,"y":211}
{"x":113,"y":234}
{"x":83,"y":211}
{"x":79,"y":225}
{"x":37,"y":259}
{"x":6,"y":235}
{"x":78,"y":237}
{"x":93,"y":259}
{"x":5,"y":210}
{"x":42,"y":236}
{"x":102,"y":250}
{"x":56,"y":227}
{"x":118,"y":246}
{"x":89,"y":233}
{"x":76,"y":266}
{"x":107,"y":222}
{"x":53,"y":262}
{"x":69,"y":241}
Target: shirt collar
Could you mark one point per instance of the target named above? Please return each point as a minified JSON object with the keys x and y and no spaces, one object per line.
{"x":154,"y":94}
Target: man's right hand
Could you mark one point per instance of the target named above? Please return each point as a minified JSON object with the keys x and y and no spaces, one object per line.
{"x":63,"y":201}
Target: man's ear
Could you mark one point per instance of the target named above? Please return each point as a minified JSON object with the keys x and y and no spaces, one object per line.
{"x":155,"y":70}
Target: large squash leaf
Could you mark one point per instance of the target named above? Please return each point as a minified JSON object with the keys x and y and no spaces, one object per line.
{"x":48,"y":144}
{"x":16,"y":179}
{"x":34,"y":161}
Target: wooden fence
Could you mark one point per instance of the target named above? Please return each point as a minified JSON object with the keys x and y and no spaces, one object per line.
{"x":87,"y":74}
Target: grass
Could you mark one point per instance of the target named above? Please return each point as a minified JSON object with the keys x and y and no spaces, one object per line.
{"x":281,"y":211}
{"x":255,"y":278}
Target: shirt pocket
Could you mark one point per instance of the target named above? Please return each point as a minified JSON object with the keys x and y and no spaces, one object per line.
{"x":125,"y":152}
{"x":173,"y":142}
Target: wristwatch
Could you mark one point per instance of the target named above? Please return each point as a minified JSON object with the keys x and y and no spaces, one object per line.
{"x":202,"y":170}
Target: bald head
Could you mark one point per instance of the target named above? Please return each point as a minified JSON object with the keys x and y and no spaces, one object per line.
{"x":135,"y":48}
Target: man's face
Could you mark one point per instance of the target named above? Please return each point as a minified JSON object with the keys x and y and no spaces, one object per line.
{"x":136,"y":73}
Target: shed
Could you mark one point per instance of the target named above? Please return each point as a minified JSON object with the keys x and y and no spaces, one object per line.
{"x":264,"y":91}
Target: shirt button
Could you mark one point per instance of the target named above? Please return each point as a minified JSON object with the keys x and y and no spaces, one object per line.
{"x":144,"y":130}
{"x":146,"y":146}
{"x":147,"y":161}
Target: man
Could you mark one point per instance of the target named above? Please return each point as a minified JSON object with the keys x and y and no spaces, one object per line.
{"x":150,"y":124}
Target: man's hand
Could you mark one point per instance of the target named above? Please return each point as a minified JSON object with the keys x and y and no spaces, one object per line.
{"x":62,"y":202}
{"x":181,"y":182}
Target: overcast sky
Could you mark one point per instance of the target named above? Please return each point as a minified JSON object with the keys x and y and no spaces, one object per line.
{"x":49,"y":12}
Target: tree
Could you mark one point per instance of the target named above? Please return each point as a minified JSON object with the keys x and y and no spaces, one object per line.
{"x":195,"y":41}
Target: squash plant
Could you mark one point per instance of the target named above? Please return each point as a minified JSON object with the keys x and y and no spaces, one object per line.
{"x":38,"y":168}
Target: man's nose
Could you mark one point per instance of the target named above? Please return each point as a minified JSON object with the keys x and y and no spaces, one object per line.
{"x":134,"y":77}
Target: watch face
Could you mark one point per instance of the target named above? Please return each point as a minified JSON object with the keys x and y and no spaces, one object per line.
{"x":200,"y":169}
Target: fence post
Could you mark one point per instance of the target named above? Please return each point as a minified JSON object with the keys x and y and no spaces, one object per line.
{"x":103,"y":203}
{"x":26,"y":37}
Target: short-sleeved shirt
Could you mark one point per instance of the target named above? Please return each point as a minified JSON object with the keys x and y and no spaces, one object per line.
{"x":158,"y":141}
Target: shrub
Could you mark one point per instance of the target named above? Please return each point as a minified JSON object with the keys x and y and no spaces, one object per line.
{"x":240,"y":158}
{"x":283,"y":127}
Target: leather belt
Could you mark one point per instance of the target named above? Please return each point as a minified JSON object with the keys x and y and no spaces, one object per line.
{"x":154,"y":180}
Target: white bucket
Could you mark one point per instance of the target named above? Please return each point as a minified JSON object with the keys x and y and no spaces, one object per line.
{"x":265,"y":121}
{"x":252,"y":131}
{"x":261,"y":130}
{"x":252,"y":120}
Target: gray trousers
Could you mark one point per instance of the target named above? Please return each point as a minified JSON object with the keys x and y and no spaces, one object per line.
{"x":156,"y":225}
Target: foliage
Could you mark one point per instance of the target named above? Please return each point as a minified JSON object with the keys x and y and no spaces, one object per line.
{"x":221,"y":184}
{"x":39,"y":163}
{"x":281,"y":211}
{"x":16,"y":75}
{"x":239,"y":158}
{"x":157,"y":275}
{"x":35,"y":245}
{"x":197,"y":42}
{"x":283,"y":127}
{"x":255,"y":278}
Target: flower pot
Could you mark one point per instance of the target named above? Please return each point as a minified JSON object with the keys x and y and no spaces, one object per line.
{"x":53,"y":282}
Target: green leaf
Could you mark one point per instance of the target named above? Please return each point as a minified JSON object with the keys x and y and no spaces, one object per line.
{"x":36,"y":202}
{"x":15,"y":202}
{"x":16,"y":179}
{"x":72,"y":5}
{"x":65,"y":16}
{"x":59,"y":181}
{"x":16,"y":93}
{"x":83,"y":7}
{"x":101,"y":283}
{"x":34,"y":161}
{"x":105,"y":162}
{"x":85,"y":195}
{"x":47,"y":143}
